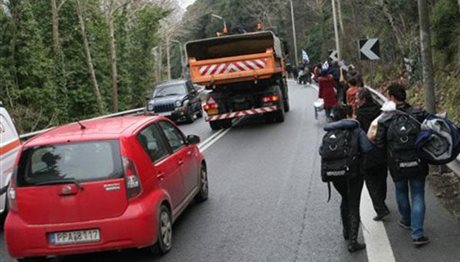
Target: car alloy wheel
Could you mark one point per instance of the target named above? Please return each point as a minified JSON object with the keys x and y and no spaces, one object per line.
{"x":204,"y":185}
{"x":164,"y":230}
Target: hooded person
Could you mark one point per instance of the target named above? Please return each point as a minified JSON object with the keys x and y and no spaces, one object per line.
{"x":327,"y":92}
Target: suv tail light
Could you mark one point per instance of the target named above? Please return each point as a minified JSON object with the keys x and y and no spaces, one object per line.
{"x":132,"y":181}
{"x":269,"y":99}
{"x":12,"y":204}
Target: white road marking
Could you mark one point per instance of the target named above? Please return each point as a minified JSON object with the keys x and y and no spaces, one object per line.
{"x":378,"y":245}
{"x":212,"y":139}
{"x":215,"y":137}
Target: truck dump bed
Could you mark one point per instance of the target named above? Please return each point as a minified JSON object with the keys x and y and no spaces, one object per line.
{"x":234,"y":58}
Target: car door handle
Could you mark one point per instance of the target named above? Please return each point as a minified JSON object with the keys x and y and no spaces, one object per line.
{"x":181,"y":162}
{"x":161,"y":175}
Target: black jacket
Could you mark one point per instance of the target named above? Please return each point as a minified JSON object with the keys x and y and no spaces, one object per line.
{"x":381,"y":137}
{"x":365,"y":114}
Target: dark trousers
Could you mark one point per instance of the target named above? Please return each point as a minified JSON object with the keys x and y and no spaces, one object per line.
{"x":350,"y":190}
{"x":376,"y":182}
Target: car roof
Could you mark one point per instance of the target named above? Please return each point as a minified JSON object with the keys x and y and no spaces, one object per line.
{"x":98,"y":129}
{"x":172,"y":82}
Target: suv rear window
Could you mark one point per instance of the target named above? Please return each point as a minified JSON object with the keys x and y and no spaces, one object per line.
{"x":83,"y":161}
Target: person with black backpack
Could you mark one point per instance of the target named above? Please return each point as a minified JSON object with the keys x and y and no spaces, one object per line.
{"x":374,"y":165}
{"x":340,"y":151}
{"x":397,"y":132}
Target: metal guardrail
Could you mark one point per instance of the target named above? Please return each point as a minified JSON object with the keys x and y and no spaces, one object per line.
{"x":200,"y":91}
{"x":128,"y":112}
{"x":454,"y":165}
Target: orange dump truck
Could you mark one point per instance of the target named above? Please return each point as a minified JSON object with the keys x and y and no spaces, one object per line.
{"x":246,"y":76}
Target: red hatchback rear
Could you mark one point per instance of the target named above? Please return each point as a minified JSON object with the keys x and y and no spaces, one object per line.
{"x":102,"y":185}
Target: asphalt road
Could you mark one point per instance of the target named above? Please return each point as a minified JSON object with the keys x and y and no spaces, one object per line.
{"x":267,"y":201}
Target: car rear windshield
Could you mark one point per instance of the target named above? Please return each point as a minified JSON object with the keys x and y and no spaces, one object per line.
{"x":82,"y":161}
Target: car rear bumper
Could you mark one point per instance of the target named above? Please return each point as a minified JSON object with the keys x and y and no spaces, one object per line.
{"x":135,"y":228}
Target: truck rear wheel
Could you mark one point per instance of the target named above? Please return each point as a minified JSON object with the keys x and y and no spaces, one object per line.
{"x":279,"y":116}
{"x":287,"y":107}
{"x":226,"y":123}
{"x":215,"y":125}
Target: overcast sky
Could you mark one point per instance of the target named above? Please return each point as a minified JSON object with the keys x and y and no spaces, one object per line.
{"x":185,"y":3}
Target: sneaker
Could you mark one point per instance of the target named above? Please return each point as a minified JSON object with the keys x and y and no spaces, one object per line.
{"x":421,"y":241}
{"x":380,"y":217}
{"x":405,"y":226}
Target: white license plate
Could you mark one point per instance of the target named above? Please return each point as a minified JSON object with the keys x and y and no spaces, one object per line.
{"x":74,"y":237}
{"x":165,"y":113}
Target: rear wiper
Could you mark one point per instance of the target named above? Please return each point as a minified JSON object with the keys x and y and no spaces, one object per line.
{"x":61,"y":181}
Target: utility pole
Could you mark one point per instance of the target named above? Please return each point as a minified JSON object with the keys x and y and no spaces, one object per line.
{"x":427,"y":59}
{"x":156,"y":66}
{"x":293,"y":34}
{"x":168,"y":58}
{"x":160,"y":63}
{"x":182,"y":57}
{"x":336,"y":31}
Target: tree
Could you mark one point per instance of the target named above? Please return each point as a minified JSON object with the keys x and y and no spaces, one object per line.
{"x":89,"y":60}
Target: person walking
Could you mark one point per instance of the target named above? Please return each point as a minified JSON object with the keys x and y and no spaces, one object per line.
{"x":351,"y":93}
{"x":374,"y":165}
{"x":348,"y":187}
{"x":327,"y":92}
{"x":397,"y":132}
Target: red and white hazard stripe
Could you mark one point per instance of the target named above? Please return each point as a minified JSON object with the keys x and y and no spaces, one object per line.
{"x":247,"y":65}
{"x":242,"y":113}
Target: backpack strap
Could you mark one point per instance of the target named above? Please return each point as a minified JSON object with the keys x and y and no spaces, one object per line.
{"x":328,"y":191}
{"x":409,"y":115}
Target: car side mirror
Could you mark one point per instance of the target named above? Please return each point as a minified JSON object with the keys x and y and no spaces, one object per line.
{"x":193,"y":139}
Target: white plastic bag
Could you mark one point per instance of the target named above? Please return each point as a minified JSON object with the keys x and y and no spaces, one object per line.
{"x":319,"y":106}
{"x":386,"y":107}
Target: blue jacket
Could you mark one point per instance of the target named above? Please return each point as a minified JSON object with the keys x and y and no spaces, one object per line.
{"x":365,"y":145}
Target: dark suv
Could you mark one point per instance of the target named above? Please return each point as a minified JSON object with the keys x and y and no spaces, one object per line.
{"x":177,"y":100}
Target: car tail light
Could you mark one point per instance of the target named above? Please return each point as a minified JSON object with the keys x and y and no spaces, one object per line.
{"x":12,"y":203}
{"x":269,"y":99}
{"x":132,"y":181}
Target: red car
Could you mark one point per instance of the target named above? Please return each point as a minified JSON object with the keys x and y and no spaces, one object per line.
{"x":104,"y":184}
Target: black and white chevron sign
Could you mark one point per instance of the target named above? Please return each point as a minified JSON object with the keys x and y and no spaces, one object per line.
{"x":369,"y":49}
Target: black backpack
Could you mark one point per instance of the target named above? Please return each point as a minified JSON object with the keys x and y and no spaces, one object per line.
{"x":402,"y":134}
{"x":339,"y":154}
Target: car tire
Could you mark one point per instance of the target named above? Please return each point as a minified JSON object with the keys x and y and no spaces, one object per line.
{"x":204,"y":185}
{"x":189,"y":117}
{"x":33,"y":259}
{"x":164,"y":242}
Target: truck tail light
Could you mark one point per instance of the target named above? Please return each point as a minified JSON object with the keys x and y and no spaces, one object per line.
{"x":208,"y":107}
{"x":210,"y":104}
{"x":269,"y":99}
{"x":132,"y":181}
